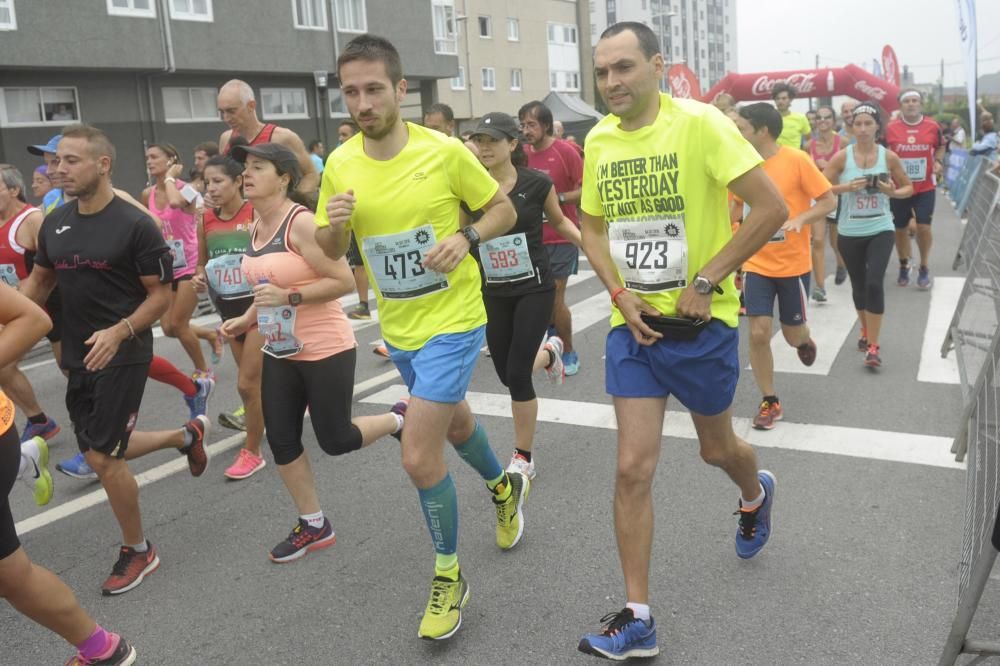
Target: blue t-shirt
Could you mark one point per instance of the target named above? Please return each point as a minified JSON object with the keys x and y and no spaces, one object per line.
{"x":317,"y":162}
{"x":52,"y":200}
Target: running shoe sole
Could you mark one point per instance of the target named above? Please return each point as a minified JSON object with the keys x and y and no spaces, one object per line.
{"x":150,"y":568}
{"x":83,"y":477}
{"x":635,"y":653}
{"x":225,"y":420}
{"x":302,"y":552}
{"x":458,"y":625}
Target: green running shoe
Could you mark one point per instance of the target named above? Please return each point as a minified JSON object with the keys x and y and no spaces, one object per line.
{"x":510,"y":519}
{"x":443,"y":616}
{"x":236,"y":420}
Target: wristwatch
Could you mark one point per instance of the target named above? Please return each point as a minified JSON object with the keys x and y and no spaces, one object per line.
{"x":704,"y":286}
{"x":294,"y":297}
{"x":562,"y":197}
{"x":472,"y":236}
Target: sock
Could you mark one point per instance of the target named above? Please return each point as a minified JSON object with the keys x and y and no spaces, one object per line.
{"x":314,"y":520}
{"x":748,"y":505}
{"x":166,"y":372}
{"x":525,"y":454}
{"x":640,"y":611}
{"x":771,"y":398}
{"x":864,"y":332}
{"x":440,"y":506}
{"x":140,"y":547}
{"x":399,"y":422}
{"x":500,"y":486}
{"x":446,"y":566}
{"x":24,"y":466}
{"x":188,"y":437}
{"x":29,"y":453}
{"x":39,"y":419}
{"x":97,"y":645}
{"x":904,"y":263}
{"x":477,"y":453}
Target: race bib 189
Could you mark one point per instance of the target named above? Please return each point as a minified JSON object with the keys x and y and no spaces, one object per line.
{"x":506,"y":259}
{"x":915,"y":167}
{"x":651,"y":256}
{"x":397,"y":263}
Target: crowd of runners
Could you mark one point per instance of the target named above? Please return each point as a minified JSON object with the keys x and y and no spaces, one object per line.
{"x":463,"y":242}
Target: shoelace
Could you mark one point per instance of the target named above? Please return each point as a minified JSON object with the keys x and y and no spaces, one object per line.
{"x":248,"y":458}
{"x":765,"y":407}
{"x":438,"y":603}
{"x":748,"y":522}
{"x":299,"y":536}
{"x":125,"y":558}
{"x":616,"y":621}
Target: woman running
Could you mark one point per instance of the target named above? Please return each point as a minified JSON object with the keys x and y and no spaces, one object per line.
{"x":310,"y":350}
{"x":822,"y":148}
{"x":175,"y":203}
{"x":518,"y":287}
{"x":223,"y":238}
{"x":33,"y":590}
{"x":868,"y":175}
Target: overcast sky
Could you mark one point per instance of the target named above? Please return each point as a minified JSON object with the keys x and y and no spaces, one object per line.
{"x":788,"y":34}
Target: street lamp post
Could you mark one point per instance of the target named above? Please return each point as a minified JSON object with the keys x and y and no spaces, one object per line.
{"x":464,"y":18}
{"x":322,"y":80}
{"x":661,"y":18}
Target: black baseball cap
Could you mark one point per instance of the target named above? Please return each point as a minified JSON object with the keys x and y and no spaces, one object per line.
{"x":497,"y":125}
{"x":277,"y":154}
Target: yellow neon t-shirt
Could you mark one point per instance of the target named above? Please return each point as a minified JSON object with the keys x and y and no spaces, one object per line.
{"x":795,"y":127}
{"x":403,"y":206}
{"x":665,"y":184}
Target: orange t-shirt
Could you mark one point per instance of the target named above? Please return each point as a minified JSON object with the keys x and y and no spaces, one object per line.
{"x":798,"y":180}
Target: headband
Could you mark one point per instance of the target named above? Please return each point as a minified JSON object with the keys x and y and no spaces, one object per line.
{"x":867,"y":108}
{"x":911,"y":93}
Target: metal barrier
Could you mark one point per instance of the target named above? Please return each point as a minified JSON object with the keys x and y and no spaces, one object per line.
{"x":959,"y":191}
{"x":982,"y":194}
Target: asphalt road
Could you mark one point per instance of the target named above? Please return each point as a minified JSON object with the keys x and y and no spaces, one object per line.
{"x":861,"y":568}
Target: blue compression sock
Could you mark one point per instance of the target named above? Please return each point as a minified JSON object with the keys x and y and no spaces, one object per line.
{"x":440,"y":506}
{"x":477,"y":453}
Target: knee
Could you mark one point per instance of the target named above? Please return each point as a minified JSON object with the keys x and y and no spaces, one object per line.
{"x":521,"y":387}
{"x":716,"y":456}
{"x":419,"y":467}
{"x":634,"y":474}
{"x":168,"y":327}
{"x":759,"y":334}
{"x":103,"y":464}
{"x":285,"y":453}
{"x":344,"y":440}
{"x":248,"y":387}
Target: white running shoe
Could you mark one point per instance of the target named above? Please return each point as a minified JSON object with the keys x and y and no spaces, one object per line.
{"x":556,"y":370}
{"x":518,"y":464}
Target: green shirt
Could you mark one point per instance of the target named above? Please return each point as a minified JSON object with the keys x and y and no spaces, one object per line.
{"x":795,"y":126}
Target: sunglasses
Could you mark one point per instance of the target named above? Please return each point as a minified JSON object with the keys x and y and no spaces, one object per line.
{"x":824,"y":117}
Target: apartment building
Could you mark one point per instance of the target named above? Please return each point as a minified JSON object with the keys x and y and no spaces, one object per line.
{"x":149,"y":70}
{"x":512,"y":51}
{"x":699,"y":33}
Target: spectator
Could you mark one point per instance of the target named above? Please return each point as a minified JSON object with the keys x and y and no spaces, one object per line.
{"x":987,"y":145}
{"x":317,"y":152}
{"x":957,"y":139}
{"x":40,"y":183}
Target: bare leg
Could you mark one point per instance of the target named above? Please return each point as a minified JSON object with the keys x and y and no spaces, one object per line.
{"x":903,"y":248}
{"x":251,"y":360}
{"x":143,"y":443}
{"x":525,"y":418}
{"x":761,"y":358}
{"x":17,"y":387}
{"x":832,"y":228}
{"x":873,"y":326}
{"x":361,"y":280}
{"x":123,"y":493}
{"x":795,"y":336}
{"x":428,"y":424}
{"x":924,"y":241}
{"x":562,"y":317}
{"x":720,"y":447}
{"x":176,"y":322}
{"x":301,"y":484}
{"x":819,"y":253}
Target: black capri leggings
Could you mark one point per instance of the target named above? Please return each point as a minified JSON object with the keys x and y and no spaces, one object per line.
{"x":866,"y":258}
{"x":325,"y":386}
{"x":514,"y":329}
{"x":10,"y":461}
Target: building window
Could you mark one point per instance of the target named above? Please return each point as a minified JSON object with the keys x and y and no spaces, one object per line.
{"x":279,"y":103}
{"x":485,"y":26}
{"x":143,"y":8}
{"x":186,"y":105}
{"x":7,"y":19}
{"x":351,"y":15}
{"x":337,"y":107}
{"x":489,"y":78}
{"x":513,"y":30}
{"x":38,"y":106}
{"x":560,"y":33}
{"x":553,"y":81}
{"x":191,"y":10}
{"x":458,"y":83}
{"x":309,"y":14}
{"x":677,"y":52}
{"x":443,"y":16}
{"x":565,"y":81}
{"x":515,"y":79}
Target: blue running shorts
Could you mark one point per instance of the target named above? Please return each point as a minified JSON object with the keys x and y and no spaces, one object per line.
{"x":441,"y":370}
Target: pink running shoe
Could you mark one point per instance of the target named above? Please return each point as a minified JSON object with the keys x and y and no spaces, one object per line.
{"x":245,"y":466}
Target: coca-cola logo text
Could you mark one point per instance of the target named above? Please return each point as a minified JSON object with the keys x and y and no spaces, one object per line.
{"x":802,"y":82}
{"x":680,"y":86}
{"x":870,"y":90}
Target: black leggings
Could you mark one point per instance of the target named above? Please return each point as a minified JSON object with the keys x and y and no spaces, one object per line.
{"x":514,"y":329}
{"x":326,"y":386}
{"x":866,"y":258}
{"x":10,"y":462}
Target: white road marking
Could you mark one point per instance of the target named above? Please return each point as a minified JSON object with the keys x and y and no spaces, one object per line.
{"x":837,"y":440}
{"x":944,"y":298}
{"x":159,"y":472}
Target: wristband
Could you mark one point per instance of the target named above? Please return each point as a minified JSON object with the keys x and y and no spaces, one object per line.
{"x":615,"y":294}
{"x":169,"y":179}
{"x":131,"y":331}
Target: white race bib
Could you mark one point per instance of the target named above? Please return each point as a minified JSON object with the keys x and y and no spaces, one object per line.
{"x":651,"y":256}
{"x":225,"y":276}
{"x":862,"y":206}
{"x":8,"y":275}
{"x":779,"y":235}
{"x":506,"y":259}
{"x":397,"y":263}
{"x":177,"y":249}
{"x":277,"y":325}
{"x":916,"y":168}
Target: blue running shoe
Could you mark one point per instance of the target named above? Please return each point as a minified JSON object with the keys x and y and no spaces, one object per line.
{"x":198,"y":403}
{"x":623,"y":637}
{"x":46,"y":430}
{"x":78,"y":468}
{"x":550,"y":331}
{"x":755,"y":526}
{"x":571,"y":363}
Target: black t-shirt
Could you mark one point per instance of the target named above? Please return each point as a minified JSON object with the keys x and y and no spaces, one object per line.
{"x":98,"y":260}
{"x":528,"y":196}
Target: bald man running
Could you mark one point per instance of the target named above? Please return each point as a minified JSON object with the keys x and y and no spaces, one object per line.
{"x":238,"y":107}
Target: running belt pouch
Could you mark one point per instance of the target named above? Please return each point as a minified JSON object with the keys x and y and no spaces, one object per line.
{"x":674,"y":328}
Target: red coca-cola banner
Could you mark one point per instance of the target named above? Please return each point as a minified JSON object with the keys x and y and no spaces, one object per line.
{"x":849,"y":80}
{"x":683,"y":82}
{"x":890,"y":65}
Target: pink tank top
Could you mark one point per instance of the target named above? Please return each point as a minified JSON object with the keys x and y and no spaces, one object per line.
{"x":824,"y":156}
{"x":180,"y":230}
{"x":322,"y":328}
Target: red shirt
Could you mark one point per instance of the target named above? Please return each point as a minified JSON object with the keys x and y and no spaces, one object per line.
{"x":915,"y":145}
{"x":13,"y":267}
{"x":263,"y":136}
{"x":562,"y":163}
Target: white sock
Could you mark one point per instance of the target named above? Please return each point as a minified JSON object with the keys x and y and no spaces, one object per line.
{"x":140,"y":547}
{"x":399,"y":422}
{"x":750,"y":505}
{"x":314,"y":519}
{"x":29,"y":459}
{"x":640,"y":611}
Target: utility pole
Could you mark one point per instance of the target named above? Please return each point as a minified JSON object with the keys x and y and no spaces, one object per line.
{"x":941,"y":89}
